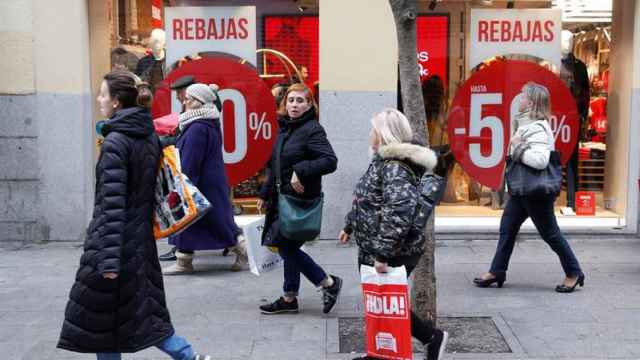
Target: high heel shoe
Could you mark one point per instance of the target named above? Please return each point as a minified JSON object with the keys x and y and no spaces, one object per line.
{"x":569,"y":289}
{"x":497,"y":278}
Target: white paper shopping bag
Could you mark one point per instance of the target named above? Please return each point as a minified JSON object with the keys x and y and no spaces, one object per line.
{"x":261,"y":258}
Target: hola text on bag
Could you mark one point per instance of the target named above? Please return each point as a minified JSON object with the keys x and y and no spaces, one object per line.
{"x":387,"y":313}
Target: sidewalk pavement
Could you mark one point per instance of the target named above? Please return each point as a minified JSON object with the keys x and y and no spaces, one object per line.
{"x":217,"y":310}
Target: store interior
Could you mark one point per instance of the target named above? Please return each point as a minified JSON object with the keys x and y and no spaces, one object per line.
{"x":289,"y":51}
{"x":585,"y":72}
{"x":590,"y":47}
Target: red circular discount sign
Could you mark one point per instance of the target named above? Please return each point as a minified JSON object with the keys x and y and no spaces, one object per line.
{"x":485,"y":108}
{"x":249,"y":122}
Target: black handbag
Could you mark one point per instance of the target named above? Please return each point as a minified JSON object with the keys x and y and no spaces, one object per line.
{"x":299,"y":219}
{"x":523,"y":180}
{"x":446,"y":160}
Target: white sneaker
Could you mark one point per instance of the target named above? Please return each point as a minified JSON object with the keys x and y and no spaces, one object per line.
{"x":202,"y":357}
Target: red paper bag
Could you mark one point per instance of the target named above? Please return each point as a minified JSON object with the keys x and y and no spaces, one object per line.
{"x":387,"y":313}
{"x":585,"y":203}
{"x":166,"y":125}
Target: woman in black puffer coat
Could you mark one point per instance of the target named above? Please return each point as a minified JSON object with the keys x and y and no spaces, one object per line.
{"x":117,"y":303}
{"x":306,"y":156}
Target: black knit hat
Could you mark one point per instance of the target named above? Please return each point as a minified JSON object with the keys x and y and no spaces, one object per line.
{"x":183,"y":82}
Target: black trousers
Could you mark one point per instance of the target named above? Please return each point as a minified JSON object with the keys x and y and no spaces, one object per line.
{"x":420,"y":329}
{"x":541,"y":211}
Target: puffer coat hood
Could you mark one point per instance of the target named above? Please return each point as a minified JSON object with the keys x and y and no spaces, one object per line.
{"x":133,"y":122}
{"x":384,"y":203}
{"x":416,"y":155}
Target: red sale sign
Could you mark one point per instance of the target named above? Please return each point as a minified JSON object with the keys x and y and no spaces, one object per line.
{"x":585,"y":203}
{"x":485,"y":108}
{"x":249,"y":122}
{"x":495,"y":32}
{"x":226,"y":29}
{"x":387,"y":313}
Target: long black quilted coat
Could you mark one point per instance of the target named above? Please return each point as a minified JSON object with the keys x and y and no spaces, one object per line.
{"x":129,"y":313}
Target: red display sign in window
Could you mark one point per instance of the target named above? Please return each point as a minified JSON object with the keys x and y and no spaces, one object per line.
{"x":585,"y":203}
{"x":297,"y":37}
{"x":486,"y":106}
{"x":433,"y":46}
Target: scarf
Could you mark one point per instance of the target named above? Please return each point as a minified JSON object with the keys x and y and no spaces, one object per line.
{"x":522,"y":118}
{"x":189,"y":116}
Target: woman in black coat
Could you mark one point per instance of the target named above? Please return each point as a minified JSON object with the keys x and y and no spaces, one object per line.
{"x":117,"y":303}
{"x":306,"y":156}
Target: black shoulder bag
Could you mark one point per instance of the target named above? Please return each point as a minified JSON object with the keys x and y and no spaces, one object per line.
{"x":523,"y":180}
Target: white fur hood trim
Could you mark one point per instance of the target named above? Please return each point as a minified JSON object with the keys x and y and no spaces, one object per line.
{"x":419,"y":155}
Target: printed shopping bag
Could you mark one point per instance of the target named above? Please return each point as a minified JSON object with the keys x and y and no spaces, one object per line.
{"x":387,"y":313}
{"x":261,"y":258}
{"x":178,"y":202}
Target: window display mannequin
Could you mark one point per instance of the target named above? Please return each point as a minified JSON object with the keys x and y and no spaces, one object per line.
{"x":574,"y":74}
{"x":151,"y":68}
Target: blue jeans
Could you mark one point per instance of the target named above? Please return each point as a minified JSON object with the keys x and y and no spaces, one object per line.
{"x":541,"y":211}
{"x":297,"y":261}
{"x":175,"y":346}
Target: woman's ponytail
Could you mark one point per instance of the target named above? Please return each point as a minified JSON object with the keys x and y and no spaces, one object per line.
{"x":145,"y":96}
{"x":129,"y":89}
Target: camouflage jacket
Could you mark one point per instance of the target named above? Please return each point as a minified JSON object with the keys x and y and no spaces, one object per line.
{"x":384,"y":203}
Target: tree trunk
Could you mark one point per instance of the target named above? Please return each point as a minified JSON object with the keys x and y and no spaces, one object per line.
{"x":404,"y":15}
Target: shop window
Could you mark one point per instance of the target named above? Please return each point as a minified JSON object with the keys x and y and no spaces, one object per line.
{"x":297,"y":37}
{"x":433,"y":46}
{"x":289,"y":31}
{"x":585,"y":72}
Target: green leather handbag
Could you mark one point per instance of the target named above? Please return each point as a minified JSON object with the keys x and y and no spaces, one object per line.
{"x":300,"y":219}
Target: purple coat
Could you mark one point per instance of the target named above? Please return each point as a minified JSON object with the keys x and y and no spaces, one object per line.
{"x":200,"y":145}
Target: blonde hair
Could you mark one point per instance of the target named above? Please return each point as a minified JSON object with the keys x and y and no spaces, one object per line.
{"x":540,"y":100}
{"x":392,"y":127}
